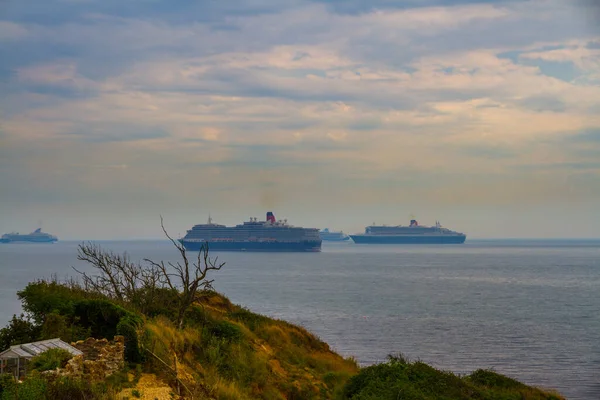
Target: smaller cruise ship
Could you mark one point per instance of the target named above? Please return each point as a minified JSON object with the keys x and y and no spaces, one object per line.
{"x":36,"y":236}
{"x":330,"y":236}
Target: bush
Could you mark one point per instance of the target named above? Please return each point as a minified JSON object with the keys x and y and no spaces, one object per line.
{"x":101,"y":316}
{"x":44,"y":297}
{"x":227,"y":331}
{"x":197,"y":315}
{"x":128,"y":329}
{"x":50,"y":360}
{"x":7,"y":381}
{"x":59,"y":326}
{"x":399,"y":378}
{"x":19,"y":330}
{"x":491,"y":379}
{"x":74,"y":389}
{"x":32,"y":388}
{"x":157,"y":301}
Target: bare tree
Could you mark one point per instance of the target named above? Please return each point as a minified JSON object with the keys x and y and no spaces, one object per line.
{"x":189,"y":277}
{"x":121,"y":279}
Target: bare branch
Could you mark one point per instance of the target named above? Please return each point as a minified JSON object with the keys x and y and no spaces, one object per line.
{"x":123,"y":280}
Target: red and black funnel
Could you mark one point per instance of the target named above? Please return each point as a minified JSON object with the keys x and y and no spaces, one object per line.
{"x":271,"y":217}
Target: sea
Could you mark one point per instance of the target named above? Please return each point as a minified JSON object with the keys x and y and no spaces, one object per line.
{"x":529,"y":309}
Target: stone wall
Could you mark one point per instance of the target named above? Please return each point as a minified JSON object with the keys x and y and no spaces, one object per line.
{"x":100,"y":358}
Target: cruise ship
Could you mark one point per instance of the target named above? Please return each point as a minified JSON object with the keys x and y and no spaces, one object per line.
{"x":253,"y":235}
{"x":412,"y":234}
{"x":36,"y":236}
{"x":330,"y":236}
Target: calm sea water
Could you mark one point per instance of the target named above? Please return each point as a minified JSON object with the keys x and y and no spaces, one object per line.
{"x":528,"y":309}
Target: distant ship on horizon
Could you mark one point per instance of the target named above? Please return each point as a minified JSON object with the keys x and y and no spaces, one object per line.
{"x":412,"y":234}
{"x":36,"y":236}
{"x":253,"y":235}
{"x":333,"y":236}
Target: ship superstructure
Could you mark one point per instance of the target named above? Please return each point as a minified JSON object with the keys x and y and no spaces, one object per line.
{"x":333,"y":236}
{"x":36,"y":236}
{"x":411,"y":234}
{"x":253,"y":235}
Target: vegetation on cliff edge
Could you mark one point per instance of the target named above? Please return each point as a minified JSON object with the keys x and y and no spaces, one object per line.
{"x":403,"y":379}
{"x":180,"y":331}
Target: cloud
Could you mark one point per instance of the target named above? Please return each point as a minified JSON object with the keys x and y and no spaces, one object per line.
{"x":11,"y":31}
{"x":592,"y":135}
{"x":128,"y":109}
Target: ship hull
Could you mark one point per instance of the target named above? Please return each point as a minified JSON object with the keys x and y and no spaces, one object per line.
{"x":257,"y":246}
{"x":408,"y":239}
{"x":35,"y":240}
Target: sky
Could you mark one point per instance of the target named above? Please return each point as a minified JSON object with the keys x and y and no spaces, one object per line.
{"x":484,"y":115}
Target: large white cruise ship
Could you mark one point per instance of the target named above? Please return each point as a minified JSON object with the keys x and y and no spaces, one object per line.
{"x":253,"y":235}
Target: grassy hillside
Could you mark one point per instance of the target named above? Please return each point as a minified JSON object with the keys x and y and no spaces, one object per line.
{"x":223,"y":351}
{"x":228,"y":352}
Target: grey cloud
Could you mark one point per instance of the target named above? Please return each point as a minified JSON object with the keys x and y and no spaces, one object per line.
{"x":487,"y":151}
{"x":301,"y":147}
{"x":101,"y":175}
{"x":107,"y":45}
{"x":591,"y":135}
{"x":259,"y":157}
{"x":365,"y":124}
{"x":561,"y":166}
{"x":56,"y":12}
{"x":296,"y":125}
{"x":519,"y":29}
{"x":363,"y":6}
{"x":593,"y":44}
{"x":542,"y":103}
{"x":102,"y":132}
{"x":259,"y":82}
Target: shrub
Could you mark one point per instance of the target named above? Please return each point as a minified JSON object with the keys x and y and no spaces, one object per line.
{"x":44,"y":297}
{"x":101,"y":316}
{"x":50,"y":360}
{"x":157,"y":301}
{"x":74,"y":389}
{"x":128,"y":329}
{"x":7,"y":381}
{"x":227,"y":331}
{"x":197,"y":315}
{"x":18,"y":330}
{"x":32,"y":388}
{"x":399,"y":378}
{"x":59,"y":326}
{"x":491,"y":379}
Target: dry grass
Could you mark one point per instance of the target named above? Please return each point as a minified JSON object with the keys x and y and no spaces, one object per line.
{"x":149,"y":387}
{"x":227,"y":352}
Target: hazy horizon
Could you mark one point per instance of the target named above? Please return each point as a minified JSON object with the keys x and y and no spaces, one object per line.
{"x":484,"y":115}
